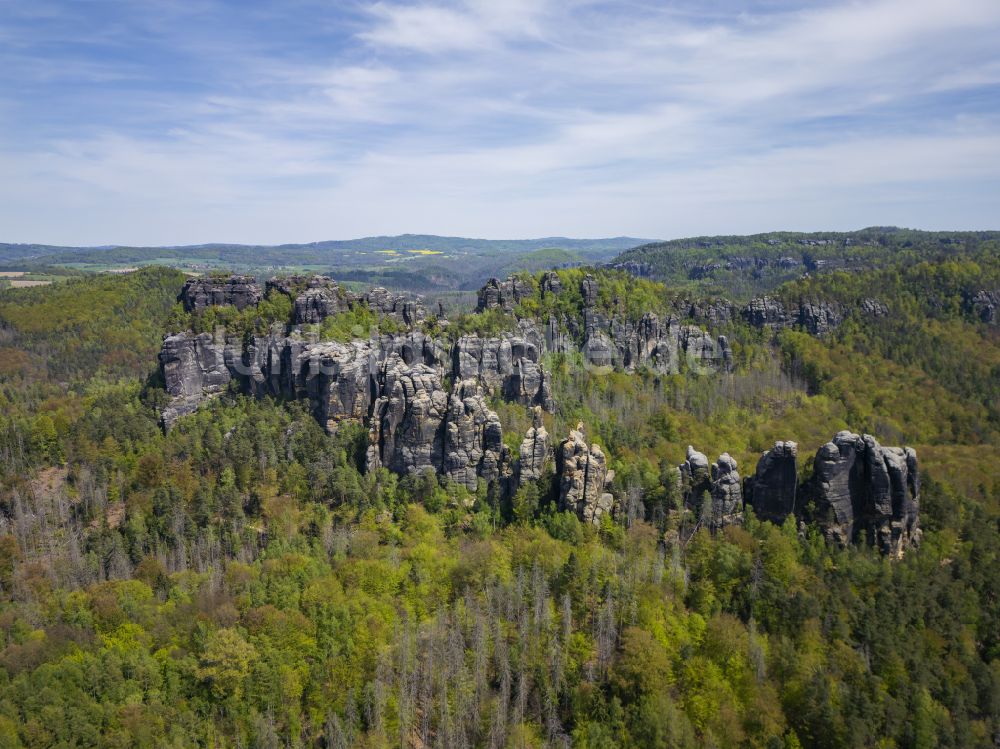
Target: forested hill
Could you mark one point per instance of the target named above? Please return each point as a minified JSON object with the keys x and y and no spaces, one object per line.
{"x":742,"y":266}
{"x":249,"y":579}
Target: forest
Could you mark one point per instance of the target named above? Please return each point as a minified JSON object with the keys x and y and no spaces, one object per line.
{"x":241,"y":581}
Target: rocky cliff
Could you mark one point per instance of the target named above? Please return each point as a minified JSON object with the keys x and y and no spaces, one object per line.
{"x":238,"y":291}
{"x":425,"y":400}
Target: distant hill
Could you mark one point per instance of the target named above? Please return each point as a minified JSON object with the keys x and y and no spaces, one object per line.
{"x":308,"y":253}
{"x":742,"y":266}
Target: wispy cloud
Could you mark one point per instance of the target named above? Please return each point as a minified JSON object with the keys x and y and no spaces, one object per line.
{"x":190,"y":122}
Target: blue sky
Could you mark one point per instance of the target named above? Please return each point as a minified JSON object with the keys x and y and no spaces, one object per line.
{"x":186,"y":121}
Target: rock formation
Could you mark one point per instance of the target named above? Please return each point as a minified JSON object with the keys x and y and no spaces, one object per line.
{"x":726,"y":492}
{"x":985,"y":306}
{"x":502,"y":295}
{"x":583,"y":478}
{"x":589,"y":289}
{"x":321,"y":298}
{"x":861,"y":486}
{"x":718,"y":484}
{"x":194,"y":368}
{"x":695,"y":478}
{"x":816,"y":318}
{"x":773,"y":488}
{"x":239,"y":291}
{"x":535,"y":451}
{"x":508,"y":364}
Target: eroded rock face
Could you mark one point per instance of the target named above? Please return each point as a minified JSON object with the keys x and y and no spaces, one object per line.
{"x":861,"y":486}
{"x":502,"y":295}
{"x":535,"y":451}
{"x":726,"y":492}
{"x":985,"y":305}
{"x":550,"y":284}
{"x":766,"y":312}
{"x":416,"y":425}
{"x":583,"y":478}
{"x":819,"y":318}
{"x":773,"y":488}
{"x":408,"y":311}
{"x":695,"y":478}
{"x":508,"y":364}
{"x":322,"y":298}
{"x":589,"y":288}
{"x":194,"y":368}
{"x":239,"y":291}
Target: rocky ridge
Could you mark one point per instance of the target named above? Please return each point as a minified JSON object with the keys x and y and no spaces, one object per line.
{"x":425,"y":403}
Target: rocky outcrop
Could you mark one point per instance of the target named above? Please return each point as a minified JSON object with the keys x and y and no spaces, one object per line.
{"x":321,"y":298}
{"x":773,"y":488}
{"x":238,"y":291}
{"x":583,"y":478}
{"x":503,"y":295}
{"x":985,"y":306}
{"x":726,"y":492}
{"x":816,"y":318}
{"x":589,"y":289}
{"x":508,"y":364}
{"x":766,"y":312}
{"x":718,"y":485}
{"x":860,"y":486}
{"x":406,"y":310}
{"x":819,"y":318}
{"x":550,"y":284}
{"x":194,"y":368}
{"x":535,"y":451}
{"x":416,"y":425}
{"x":695,"y":478}
{"x":874,"y":308}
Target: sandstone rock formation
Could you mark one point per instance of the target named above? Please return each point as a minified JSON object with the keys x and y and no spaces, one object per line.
{"x":718,"y":484}
{"x":194,"y":368}
{"x":583,"y":478}
{"x":535,"y":451}
{"x":985,"y":306}
{"x":773,"y":488}
{"x":321,"y":298}
{"x":508,"y":364}
{"x":502,"y":295}
{"x":589,"y":288}
{"x":726,"y":492}
{"x":861,"y":486}
{"x":550,"y":284}
{"x":695,"y":478}
{"x":816,"y":318}
{"x":239,"y":291}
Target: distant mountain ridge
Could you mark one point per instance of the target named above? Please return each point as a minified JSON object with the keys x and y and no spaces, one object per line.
{"x":57,"y":253}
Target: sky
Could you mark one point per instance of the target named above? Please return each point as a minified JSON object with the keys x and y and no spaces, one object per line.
{"x":171,"y":122}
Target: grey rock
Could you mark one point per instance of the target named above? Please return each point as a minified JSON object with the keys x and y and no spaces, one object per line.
{"x":502,"y":295}
{"x":985,"y":306}
{"x":874,"y":308}
{"x":772,"y":490}
{"x":766,"y":312}
{"x":589,"y":288}
{"x":696,"y":478}
{"x":859,"y":486}
{"x":321,"y":299}
{"x":535,"y":450}
{"x":726,"y":492}
{"x":238,"y":291}
{"x":194,"y":368}
{"x":406,"y":310}
{"x":583,"y":478}
{"x":550,"y":284}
